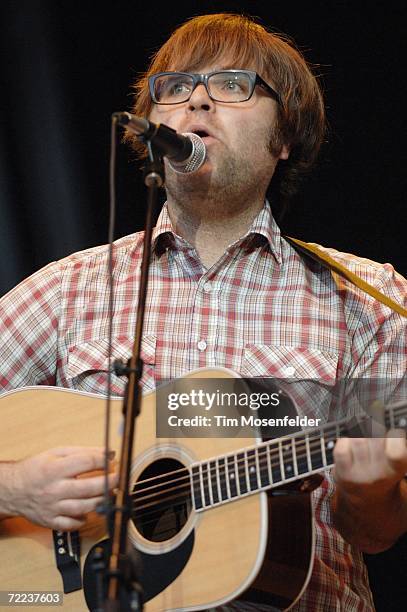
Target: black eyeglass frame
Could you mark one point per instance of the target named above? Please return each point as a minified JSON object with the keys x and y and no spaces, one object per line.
{"x":254,"y":80}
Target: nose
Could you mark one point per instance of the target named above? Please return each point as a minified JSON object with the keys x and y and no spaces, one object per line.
{"x":200,"y":99}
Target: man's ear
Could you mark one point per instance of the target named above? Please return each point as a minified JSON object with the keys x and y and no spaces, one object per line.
{"x":285,"y":152}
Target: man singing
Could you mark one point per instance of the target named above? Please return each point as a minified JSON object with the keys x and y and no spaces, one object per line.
{"x":226,"y":289}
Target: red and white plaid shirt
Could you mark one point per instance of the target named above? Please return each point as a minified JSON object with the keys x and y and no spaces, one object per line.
{"x":261,"y":310}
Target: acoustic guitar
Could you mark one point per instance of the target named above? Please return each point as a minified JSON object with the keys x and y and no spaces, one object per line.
{"x":209,"y":520}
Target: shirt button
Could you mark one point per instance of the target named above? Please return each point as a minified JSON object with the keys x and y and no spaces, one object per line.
{"x":202,"y":345}
{"x":207,"y":287}
{"x":290,"y":371}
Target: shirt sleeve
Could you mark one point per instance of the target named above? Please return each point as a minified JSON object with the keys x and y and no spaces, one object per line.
{"x":29,"y":330}
{"x":379,"y":345}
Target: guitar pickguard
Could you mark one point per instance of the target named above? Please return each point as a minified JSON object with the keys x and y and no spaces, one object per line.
{"x":157,"y":571}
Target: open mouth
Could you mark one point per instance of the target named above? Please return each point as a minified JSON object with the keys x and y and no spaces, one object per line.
{"x":201,"y":133}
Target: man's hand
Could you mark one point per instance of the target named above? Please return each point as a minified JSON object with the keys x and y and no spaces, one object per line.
{"x":56,"y":489}
{"x":370,"y":504}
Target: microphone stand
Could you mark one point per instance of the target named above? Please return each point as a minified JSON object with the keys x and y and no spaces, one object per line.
{"x":121,"y":574}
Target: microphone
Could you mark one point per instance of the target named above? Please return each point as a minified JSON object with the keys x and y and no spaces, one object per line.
{"x":185,"y":152}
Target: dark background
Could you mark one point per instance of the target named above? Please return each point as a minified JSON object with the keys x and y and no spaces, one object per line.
{"x":67,"y":65}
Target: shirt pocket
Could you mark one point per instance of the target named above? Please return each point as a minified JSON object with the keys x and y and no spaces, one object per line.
{"x":307,"y":375}
{"x":88,"y":364}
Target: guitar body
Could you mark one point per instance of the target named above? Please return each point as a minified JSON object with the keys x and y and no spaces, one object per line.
{"x":192,"y":560}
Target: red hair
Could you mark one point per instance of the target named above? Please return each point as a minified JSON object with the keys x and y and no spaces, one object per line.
{"x":211,"y":38}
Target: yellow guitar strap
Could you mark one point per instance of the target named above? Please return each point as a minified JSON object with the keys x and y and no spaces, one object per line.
{"x":313,"y":251}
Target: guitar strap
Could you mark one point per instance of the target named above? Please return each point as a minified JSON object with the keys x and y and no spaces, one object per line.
{"x":326,"y":260}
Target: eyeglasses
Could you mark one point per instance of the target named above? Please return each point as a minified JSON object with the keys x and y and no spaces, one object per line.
{"x":222,"y":86}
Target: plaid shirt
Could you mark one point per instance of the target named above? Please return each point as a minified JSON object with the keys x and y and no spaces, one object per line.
{"x":261,"y":310}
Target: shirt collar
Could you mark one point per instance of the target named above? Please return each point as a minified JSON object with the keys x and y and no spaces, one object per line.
{"x":163,"y":236}
{"x":264,"y":225}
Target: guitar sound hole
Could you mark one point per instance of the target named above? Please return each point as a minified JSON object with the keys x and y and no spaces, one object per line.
{"x":161,"y":500}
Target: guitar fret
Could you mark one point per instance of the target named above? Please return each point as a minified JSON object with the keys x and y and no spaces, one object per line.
{"x":209,"y":481}
{"x":196,"y":487}
{"x":281,"y":459}
{"x":218,"y":480}
{"x":229,"y":496}
{"x":389,"y":419}
{"x":330,"y":443}
{"x":302,"y":463}
{"x":256,"y":455}
{"x":294,"y":454}
{"x":236,"y":466}
{"x":270,"y":473}
{"x":275,"y":463}
{"x":308,"y":453}
{"x":213,"y":484}
{"x":317,"y":461}
{"x":288,"y":459}
{"x":232,"y":476}
{"x":253,"y":484}
{"x":246,"y":463}
{"x":322,"y":442}
{"x":202,"y":489}
{"x":223,"y":479}
{"x":241,"y":471}
{"x":205,"y":481}
{"x":264,"y":475}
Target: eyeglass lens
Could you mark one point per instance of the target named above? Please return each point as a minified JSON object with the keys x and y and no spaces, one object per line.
{"x":222,"y":86}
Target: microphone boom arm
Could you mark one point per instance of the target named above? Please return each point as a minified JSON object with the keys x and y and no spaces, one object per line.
{"x":167,"y":141}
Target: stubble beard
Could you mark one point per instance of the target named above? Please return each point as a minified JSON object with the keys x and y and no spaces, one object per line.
{"x":234,"y":183}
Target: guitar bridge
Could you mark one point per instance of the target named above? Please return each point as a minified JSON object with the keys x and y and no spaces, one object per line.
{"x":68,"y":559}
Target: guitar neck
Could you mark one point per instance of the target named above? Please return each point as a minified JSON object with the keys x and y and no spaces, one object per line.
{"x":274,"y":463}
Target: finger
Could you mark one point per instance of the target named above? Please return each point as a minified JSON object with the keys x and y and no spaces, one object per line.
{"x":376,"y":450}
{"x":361,"y":451}
{"x":77,"y":508}
{"x":64,"y":451}
{"x":67,"y":523}
{"x":88,"y":487}
{"x":396,"y":450}
{"x":343,"y":456}
{"x":81,"y":462}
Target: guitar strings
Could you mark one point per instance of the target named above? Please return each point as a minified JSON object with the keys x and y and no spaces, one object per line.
{"x":223,"y":479}
{"x":187,"y":487}
{"x":314,"y":438}
{"x":261,"y":447}
{"x":313,"y":443}
{"x":157,"y":507}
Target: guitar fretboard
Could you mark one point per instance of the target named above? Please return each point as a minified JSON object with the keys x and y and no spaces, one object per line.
{"x":271,"y":464}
